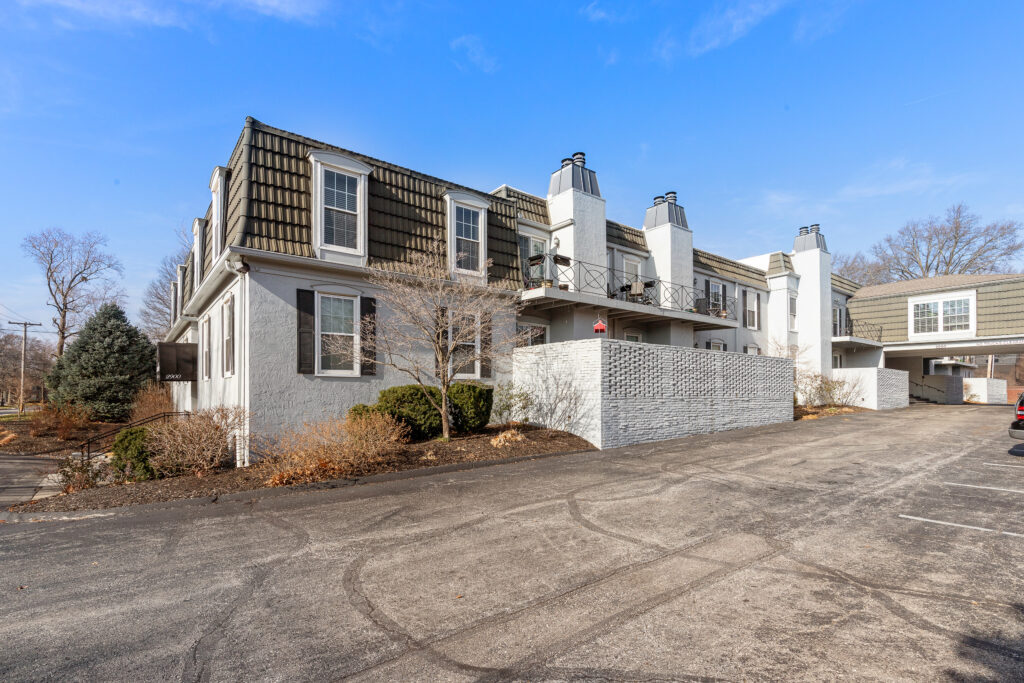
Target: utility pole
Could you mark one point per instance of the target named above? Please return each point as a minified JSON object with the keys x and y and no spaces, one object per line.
{"x":24,"y":343}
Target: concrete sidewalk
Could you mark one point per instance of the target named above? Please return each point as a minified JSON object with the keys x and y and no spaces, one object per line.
{"x":24,"y":477}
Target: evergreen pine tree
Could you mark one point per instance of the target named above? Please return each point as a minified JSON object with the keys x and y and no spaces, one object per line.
{"x":104,"y":366}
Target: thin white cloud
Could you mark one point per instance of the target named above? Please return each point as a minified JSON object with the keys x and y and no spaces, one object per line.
{"x":728,"y":23}
{"x":666,"y":48}
{"x":594,"y":12}
{"x":893,"y":178}
{"x":473,"y":50}
{"x":165,"y":13}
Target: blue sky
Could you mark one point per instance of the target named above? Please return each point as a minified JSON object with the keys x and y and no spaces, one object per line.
{"x":763,"y":115}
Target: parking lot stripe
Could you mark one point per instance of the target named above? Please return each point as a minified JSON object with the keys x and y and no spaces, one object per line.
{"x":961,"y":526}
{"x":998,"y":464}
{"x":987,"y":488}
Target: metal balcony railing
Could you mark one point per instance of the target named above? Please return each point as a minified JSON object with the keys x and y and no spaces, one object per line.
{"x":555,"y":270}
{"x":857,"y":328}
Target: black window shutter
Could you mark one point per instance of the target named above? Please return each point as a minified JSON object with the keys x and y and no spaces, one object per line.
{"x":707,"y":291}
{"x":707,"y":345}
{"x":305,"y":304}
{"x":368,"y":318}
{"x":725,"y":347}
{"x":744,"y":349}
{"x":759,"y":310}
{"x":441,"y":334}
{"x":485,"y":349}
{"x":745,"y":309}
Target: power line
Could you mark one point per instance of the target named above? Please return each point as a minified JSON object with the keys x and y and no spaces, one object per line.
{"x":14,"y":312}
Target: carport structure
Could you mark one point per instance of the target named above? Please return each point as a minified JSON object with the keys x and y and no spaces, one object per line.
{"x":930,"y":327}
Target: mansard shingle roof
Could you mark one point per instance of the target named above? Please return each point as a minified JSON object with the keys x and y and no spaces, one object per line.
{"x":729,"y":269}
{"x":407,"y":208}
{"x":528,"y":206}
{"x":625,"y":236}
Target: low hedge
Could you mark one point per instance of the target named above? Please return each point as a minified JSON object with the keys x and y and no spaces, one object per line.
{"x":473,"y":404}
{"x":131,"y":458}
{"x":408,"y":404}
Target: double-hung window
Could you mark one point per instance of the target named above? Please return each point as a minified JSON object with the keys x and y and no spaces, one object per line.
{"x":956,"y":315}
{"x":532,"y":246}
{"x":792,"y":312}
{"x":947,"y":313}
{"x":227,"y":334}
{"x":465,"y":335}
{"x":467,"y":238}
{"x":751,"y":309}
{"x":341,"y":210}
{"x":717,"y":295}
{"x":926,"y":317}
{"x":532,"y":334}
{"x":339,"y":188}
{"x":631,"y":266}
{"x":337,"y":335}
{"x":467,"y":232}
{"x":204,"y":333}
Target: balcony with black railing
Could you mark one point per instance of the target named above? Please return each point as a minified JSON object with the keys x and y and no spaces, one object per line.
{"x":557,"y":272}
{"x":857,"y":328}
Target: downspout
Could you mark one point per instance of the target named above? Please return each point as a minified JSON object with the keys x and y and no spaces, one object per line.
{"x":243,"y":273}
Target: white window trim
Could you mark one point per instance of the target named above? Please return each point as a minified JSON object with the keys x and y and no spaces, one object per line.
{"x":227,"y":303}
{"x":793,"y":312}
{"x":470,"y":201}
{"x":752,"y":307}
{"x":205,"y":350}
{"x":476,"y":363}
{"x":356,"y":332}
{"x":197,"y":252}
{"x":837,"y":357}
{"x":321,"y":160}
{"x":753,"y":350}
{"x":970,"y":294}
{"x":217,"y":210}
{"x":720,"y":344}
{"x":635,"y":261}
{"x":546,"y":326}
{"x":633,"y":333}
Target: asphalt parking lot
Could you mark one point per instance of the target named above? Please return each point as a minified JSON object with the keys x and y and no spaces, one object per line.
{"x":877,"y":546}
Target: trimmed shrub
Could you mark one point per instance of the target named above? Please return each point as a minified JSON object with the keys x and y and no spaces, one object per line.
{"x":361,"y":409}
{"x":131,"y":458}
{"x":473,"y":405}
{"x":408,"y":404}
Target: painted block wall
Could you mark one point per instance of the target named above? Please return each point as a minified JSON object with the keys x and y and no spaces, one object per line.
{"x":616,"y":393}
{"x":877,"y":388}
{"x":985,"y":390}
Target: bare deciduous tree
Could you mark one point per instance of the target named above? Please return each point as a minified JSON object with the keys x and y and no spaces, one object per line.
{"x":433,"y":327}
{"x":155,"y":311}
{"x":39,"y":358}
{"x":859,"y":268}
{"x":79,"y":276}
{"x":956,"y":244}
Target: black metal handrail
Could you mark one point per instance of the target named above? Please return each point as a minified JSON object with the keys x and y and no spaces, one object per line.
{"x":85,"y":447}
{"x":857,"y":328}
{"x":556,"y":270}
{"x":926,"y":386}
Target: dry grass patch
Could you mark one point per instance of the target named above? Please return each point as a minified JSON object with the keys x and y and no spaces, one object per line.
{"x":816,"y":412}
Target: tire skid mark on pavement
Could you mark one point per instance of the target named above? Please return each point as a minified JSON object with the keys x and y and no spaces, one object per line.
{"x":683,"y":570}
{"x":912,"y":618}
{"x":197,"y":660}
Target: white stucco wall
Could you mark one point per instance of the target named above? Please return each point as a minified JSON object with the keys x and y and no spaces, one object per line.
{"x":876,"y":388}
{"x":620,"y":393}
{"x":984,"y":390}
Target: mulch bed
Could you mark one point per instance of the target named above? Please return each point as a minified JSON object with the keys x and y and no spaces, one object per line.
{"x":815,"y":412}
{"x":24,"y":442}
{"x":462,"y":449}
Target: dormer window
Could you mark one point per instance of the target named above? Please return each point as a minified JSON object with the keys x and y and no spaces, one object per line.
{"x":340,"y":200}
{"x":341,"y":215}
{"x":467,"y":232}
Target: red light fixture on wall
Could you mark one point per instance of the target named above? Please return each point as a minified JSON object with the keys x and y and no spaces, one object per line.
{"x":600,"y":327}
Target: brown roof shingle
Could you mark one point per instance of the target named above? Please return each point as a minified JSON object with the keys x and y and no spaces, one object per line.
{"x":528,"y":206}
{"x":625,"y":236}
{"x":928,"y":284}
{"x":729,"y":269}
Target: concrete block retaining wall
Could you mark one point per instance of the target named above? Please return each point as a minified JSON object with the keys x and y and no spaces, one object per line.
{"x":946,"y":389}
{"x":617,"y":393}
{"x":877,"y":388}
{"x":985,"y":390}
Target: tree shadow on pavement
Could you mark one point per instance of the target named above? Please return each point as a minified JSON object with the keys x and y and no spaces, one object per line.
{"x":1000,"y":653}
